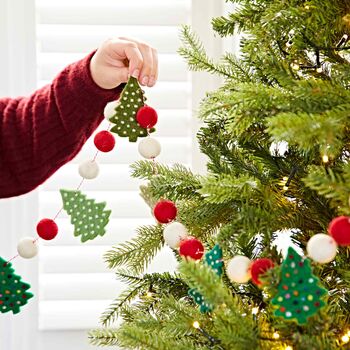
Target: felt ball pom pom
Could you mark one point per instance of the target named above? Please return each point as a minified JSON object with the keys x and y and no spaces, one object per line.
{"x":109,"y":110}
{"x":26,"y":248}
{"x":104,"y":141}
{"x":89,"y":169}
{"x":147,"y":117}
{"x":149,"y":148}
{"x":238,"y":269}
{"x":174,"y":233}
{"x":321,"y":248}
{"x":339,"y":229}
{"x":191,"y":248}
{"x":47,"y":229}
{"x":165,"y":211}
{"x":259,"y":267}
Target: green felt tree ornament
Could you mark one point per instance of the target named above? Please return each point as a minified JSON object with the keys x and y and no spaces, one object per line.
{"x":89,"y":218}
{"x":13,"y":291}
{"x":131,"y":100}
{"x":214,"y":260}
{"x":299,"y":291}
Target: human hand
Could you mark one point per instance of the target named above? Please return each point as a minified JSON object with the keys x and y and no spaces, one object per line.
{"x":117,"y":59}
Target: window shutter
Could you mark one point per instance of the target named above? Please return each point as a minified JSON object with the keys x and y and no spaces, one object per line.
{"x":75,"y":285}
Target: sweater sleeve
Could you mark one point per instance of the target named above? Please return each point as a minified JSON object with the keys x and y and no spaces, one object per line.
{"x":40,"y":133}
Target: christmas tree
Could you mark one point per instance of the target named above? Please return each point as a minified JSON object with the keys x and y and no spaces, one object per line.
{"x":13,"y":291}
{"x":89,"y":218}
{"x":290,"y":85}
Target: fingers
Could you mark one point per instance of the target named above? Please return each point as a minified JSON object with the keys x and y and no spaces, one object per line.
{"x":143,"y":61}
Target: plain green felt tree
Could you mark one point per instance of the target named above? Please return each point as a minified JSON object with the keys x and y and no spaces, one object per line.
{"x":290,"y":83}
{"x":131,"y":100}
{"x":88,"y":217}
{"x":13,"y":291}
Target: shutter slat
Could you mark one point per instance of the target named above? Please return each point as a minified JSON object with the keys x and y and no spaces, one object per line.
{"x":134,"y":12}
{"x":171,"y":66}
{"x":84,"y":38}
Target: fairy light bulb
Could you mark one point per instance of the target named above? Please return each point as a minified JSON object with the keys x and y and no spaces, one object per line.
{"x":288,"y":348}
{"x":285,"y":188}
{"x":348,"y":333}
{"x":345,"y":338}
{"x":149,"y":294}
{"x":195,"y":324}
{"x":295,"y":66}
{"x":285,"y":178}
{"x":307,"y":7}
{"x":319,"y":70}
{"x":255,"y":310}
{"x":325,"y":158}
{"x":275,"y":335}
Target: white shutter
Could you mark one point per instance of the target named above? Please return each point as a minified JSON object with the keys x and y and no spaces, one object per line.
{"x":74,"y":283}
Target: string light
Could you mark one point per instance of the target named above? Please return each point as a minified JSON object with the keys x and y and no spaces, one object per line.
{"x":195,"y":324}
{"x":255,"y":310}
{"x":285,"y":188}
{"x":348,"y":333}
{"x":149,"y":294}
{"x":285,"y":178}
{"x":276,"y":335}
{"x":325,"y":158}
{"x":319,"y":70}
{"x":295,"y":66}
{"x":345,"y":338}
{"x":288,"y":348}
{"x":307,"y":7}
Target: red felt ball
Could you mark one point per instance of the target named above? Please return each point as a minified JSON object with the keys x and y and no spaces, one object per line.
{"x":165,"y":211}
{"x":339,"y":229}
{"x":47,"y":229}
{"x":147,"y":117}
{"x":104,"y":141}
{"x":259,"y":267}
{"x":191,"y":248}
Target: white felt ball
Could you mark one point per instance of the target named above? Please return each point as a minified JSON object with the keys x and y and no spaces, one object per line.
{"x":89,"y":169}
{"x":27,"y":248}
{"x":322,"y":248}
{"x":109,"y":110}
{"x":149,"y":148}
{"x":174,"y":233}
{"x":238,"y":269}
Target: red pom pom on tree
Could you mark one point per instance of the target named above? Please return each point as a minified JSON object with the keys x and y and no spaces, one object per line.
{"x":104,"y":141}
{"x":259,"y":267}
{"x":165,"y":211}
{"x":47,"y":229}
{"x":339,"y":229}
{"x":191,"y":248}
{"x":147,"y":117}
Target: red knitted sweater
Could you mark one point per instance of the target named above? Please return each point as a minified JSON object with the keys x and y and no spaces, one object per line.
{"x":40,"y":133}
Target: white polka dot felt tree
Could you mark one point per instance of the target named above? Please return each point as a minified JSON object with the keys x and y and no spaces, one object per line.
{"x":131,"y":100}
{"x":88,"y":217}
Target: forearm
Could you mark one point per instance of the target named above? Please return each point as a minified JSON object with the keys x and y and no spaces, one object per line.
{"x":42,"y":132}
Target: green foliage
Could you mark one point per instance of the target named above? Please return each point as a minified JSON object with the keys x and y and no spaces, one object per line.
{"x":271,"y":92}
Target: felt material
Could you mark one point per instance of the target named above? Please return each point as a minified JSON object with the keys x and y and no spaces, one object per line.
{"x":165,"y":211}
{"x":104,"y":141}
{"x":47,"y":229}
{"x":89,"y":218}
{"x":339,"y":229}
{"x":130,"y":102}
{"x":299,"y":291}
{"x":13,"y":291}
{"x":191,"y":248}
{"x":147,"y":117}
{"x":259,"y":267}
{"x":213,"y":258}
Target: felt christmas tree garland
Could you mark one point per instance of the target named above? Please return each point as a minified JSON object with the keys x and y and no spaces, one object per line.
{"x":131,"y":100}
{"x":299,"y":291}
{"x":89,"y":218}
{"x":214,"y":260}
{"x":133,"y":119}
{"x":13,"y":291}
